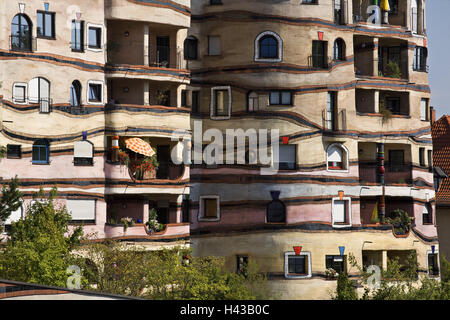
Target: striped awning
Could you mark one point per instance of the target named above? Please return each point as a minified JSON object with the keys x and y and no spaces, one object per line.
{"x":139,"y":146}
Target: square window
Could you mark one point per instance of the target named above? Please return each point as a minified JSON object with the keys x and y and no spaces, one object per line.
{"x":214,"y":46}
{"x":280,"y":98}
{"x":209,"y":208}
{"x":287,"y":157}
{"x":19,"y":93}
{"x":13,"y":151}
{"x":337,"y":263}
{"x":95,"y":37}
{"x":95,"y":92}
{"x":297,"y":266}
{"x":46,"y":24}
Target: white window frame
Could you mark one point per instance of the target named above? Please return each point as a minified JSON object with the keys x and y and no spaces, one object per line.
{"x":200,"y":216}
{"x":344,"y":161}
{"x":95,"y":208}
{"x":280,"y":47}
{"x":212,"y":106}
{"x":438,"y":259}
{"x":21,"y":84}
{"x":286,"y":265}
{"x":22,"y":215}
{"x":102,"y":42}
{"x":424,"y":117}
{"x":102,"y":93}
{"x":349,"y":212}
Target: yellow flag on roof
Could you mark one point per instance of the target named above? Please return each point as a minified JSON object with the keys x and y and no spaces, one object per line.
{"x":385,"y":5}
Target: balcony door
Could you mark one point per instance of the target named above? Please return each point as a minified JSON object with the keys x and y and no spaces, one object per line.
{"x":163,"y":158}
{"x":163,"y":51}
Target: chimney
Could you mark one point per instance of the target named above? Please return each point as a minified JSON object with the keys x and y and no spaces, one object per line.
{"x":432,"y":115}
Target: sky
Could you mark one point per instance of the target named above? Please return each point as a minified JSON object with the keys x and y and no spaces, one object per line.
{"x":438,"y":26}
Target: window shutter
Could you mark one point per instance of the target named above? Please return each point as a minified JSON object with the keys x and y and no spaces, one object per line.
{"x":339,"y":211}
{"x":44,"y":88}
{"x":83,"y":149}
{"x":335,"y":154}
{"x":423,"y":109}
{"x":33,"y":90}
{"x":214,"y":46}
{"x":81,"y":209}
{"x":19,"y":93}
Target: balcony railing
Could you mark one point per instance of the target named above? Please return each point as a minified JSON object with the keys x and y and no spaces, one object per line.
{"x":318,"y":61}
{"x":369,"y":173}
{"x":45,"y":105}
{"x":22,"y":43}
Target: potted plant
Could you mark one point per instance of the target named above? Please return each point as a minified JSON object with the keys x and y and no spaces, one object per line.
{"x":152,"y":223}
{"x":401,"y":221}
{"x":127,"y":222}
{"x":331,"y":274}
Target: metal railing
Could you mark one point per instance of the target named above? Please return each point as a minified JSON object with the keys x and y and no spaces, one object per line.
{"x":22,"y":43}
{"x":45,"y":105}
{"x":319,"y":61}
{"x":339,"y":123}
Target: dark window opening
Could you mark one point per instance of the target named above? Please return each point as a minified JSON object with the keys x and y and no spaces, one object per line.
{"x":13,"y":151}
{"x":297,"y":265}
{"x":40,"y":153}
{"x":268,"y":47}
{"x":242,"y":265}
{"x":77,"y":42}
{"x":95,"y":37}
{"x":337,"y":263}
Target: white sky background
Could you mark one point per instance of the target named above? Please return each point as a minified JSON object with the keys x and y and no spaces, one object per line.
{"x":438,"y":31}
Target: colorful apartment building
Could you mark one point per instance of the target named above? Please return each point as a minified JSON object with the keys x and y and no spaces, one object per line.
{"x":441,"y":162}
{"x":81,"y":83}
{"x":349,"y":94}
{"x":345,"y":84}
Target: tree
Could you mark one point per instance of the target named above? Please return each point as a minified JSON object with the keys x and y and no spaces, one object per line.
{"x":345,"y":288}
{"x":38,"y":250}
{"x":167,"y":274}
{"x":399,"y":282}
{"x":10,"y":201}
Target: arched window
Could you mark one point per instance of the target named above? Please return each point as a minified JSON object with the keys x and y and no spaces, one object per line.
{"x":268,"y":47}
{"x":41,"y":151}
{"x":191,"y":48}
{"x":39,"y":92}
{"x":21,"y":33}
{"x":337,"y":157}
{"x":75,"y":94}
{"x":83,"y":153}
{"x":253,"y":102}
{"x":427,"y":214}
{"x":339,"y":50}
{"x":276,"y":210}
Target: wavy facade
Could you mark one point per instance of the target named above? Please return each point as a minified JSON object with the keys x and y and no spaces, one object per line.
{"x":78,"y":79}
{"x":351,"y":102}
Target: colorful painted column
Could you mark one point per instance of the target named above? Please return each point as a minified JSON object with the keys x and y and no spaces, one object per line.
{"x":382,"y":170}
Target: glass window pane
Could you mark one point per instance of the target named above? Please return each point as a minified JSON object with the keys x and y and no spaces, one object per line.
{"x":49,"y":25}
{"x":40,"y":24}
{"x":42,"y":153}
{"x":285,"y":98}
{"x":274,"y":97}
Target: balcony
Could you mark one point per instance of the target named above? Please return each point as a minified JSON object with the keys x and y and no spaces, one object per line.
{"x":143,"y":92}
{"x":140,"y":47}
{"x":389,"y":59}
{"x":401,"y":15}
{"x":398,"y":166}
{"x":384,"y":103}
{"x":145,"y":217}
{"x":170,"y":12}
{"x":158,"y":169}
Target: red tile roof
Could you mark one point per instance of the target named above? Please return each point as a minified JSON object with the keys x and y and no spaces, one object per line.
{"x":440,"y":131}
